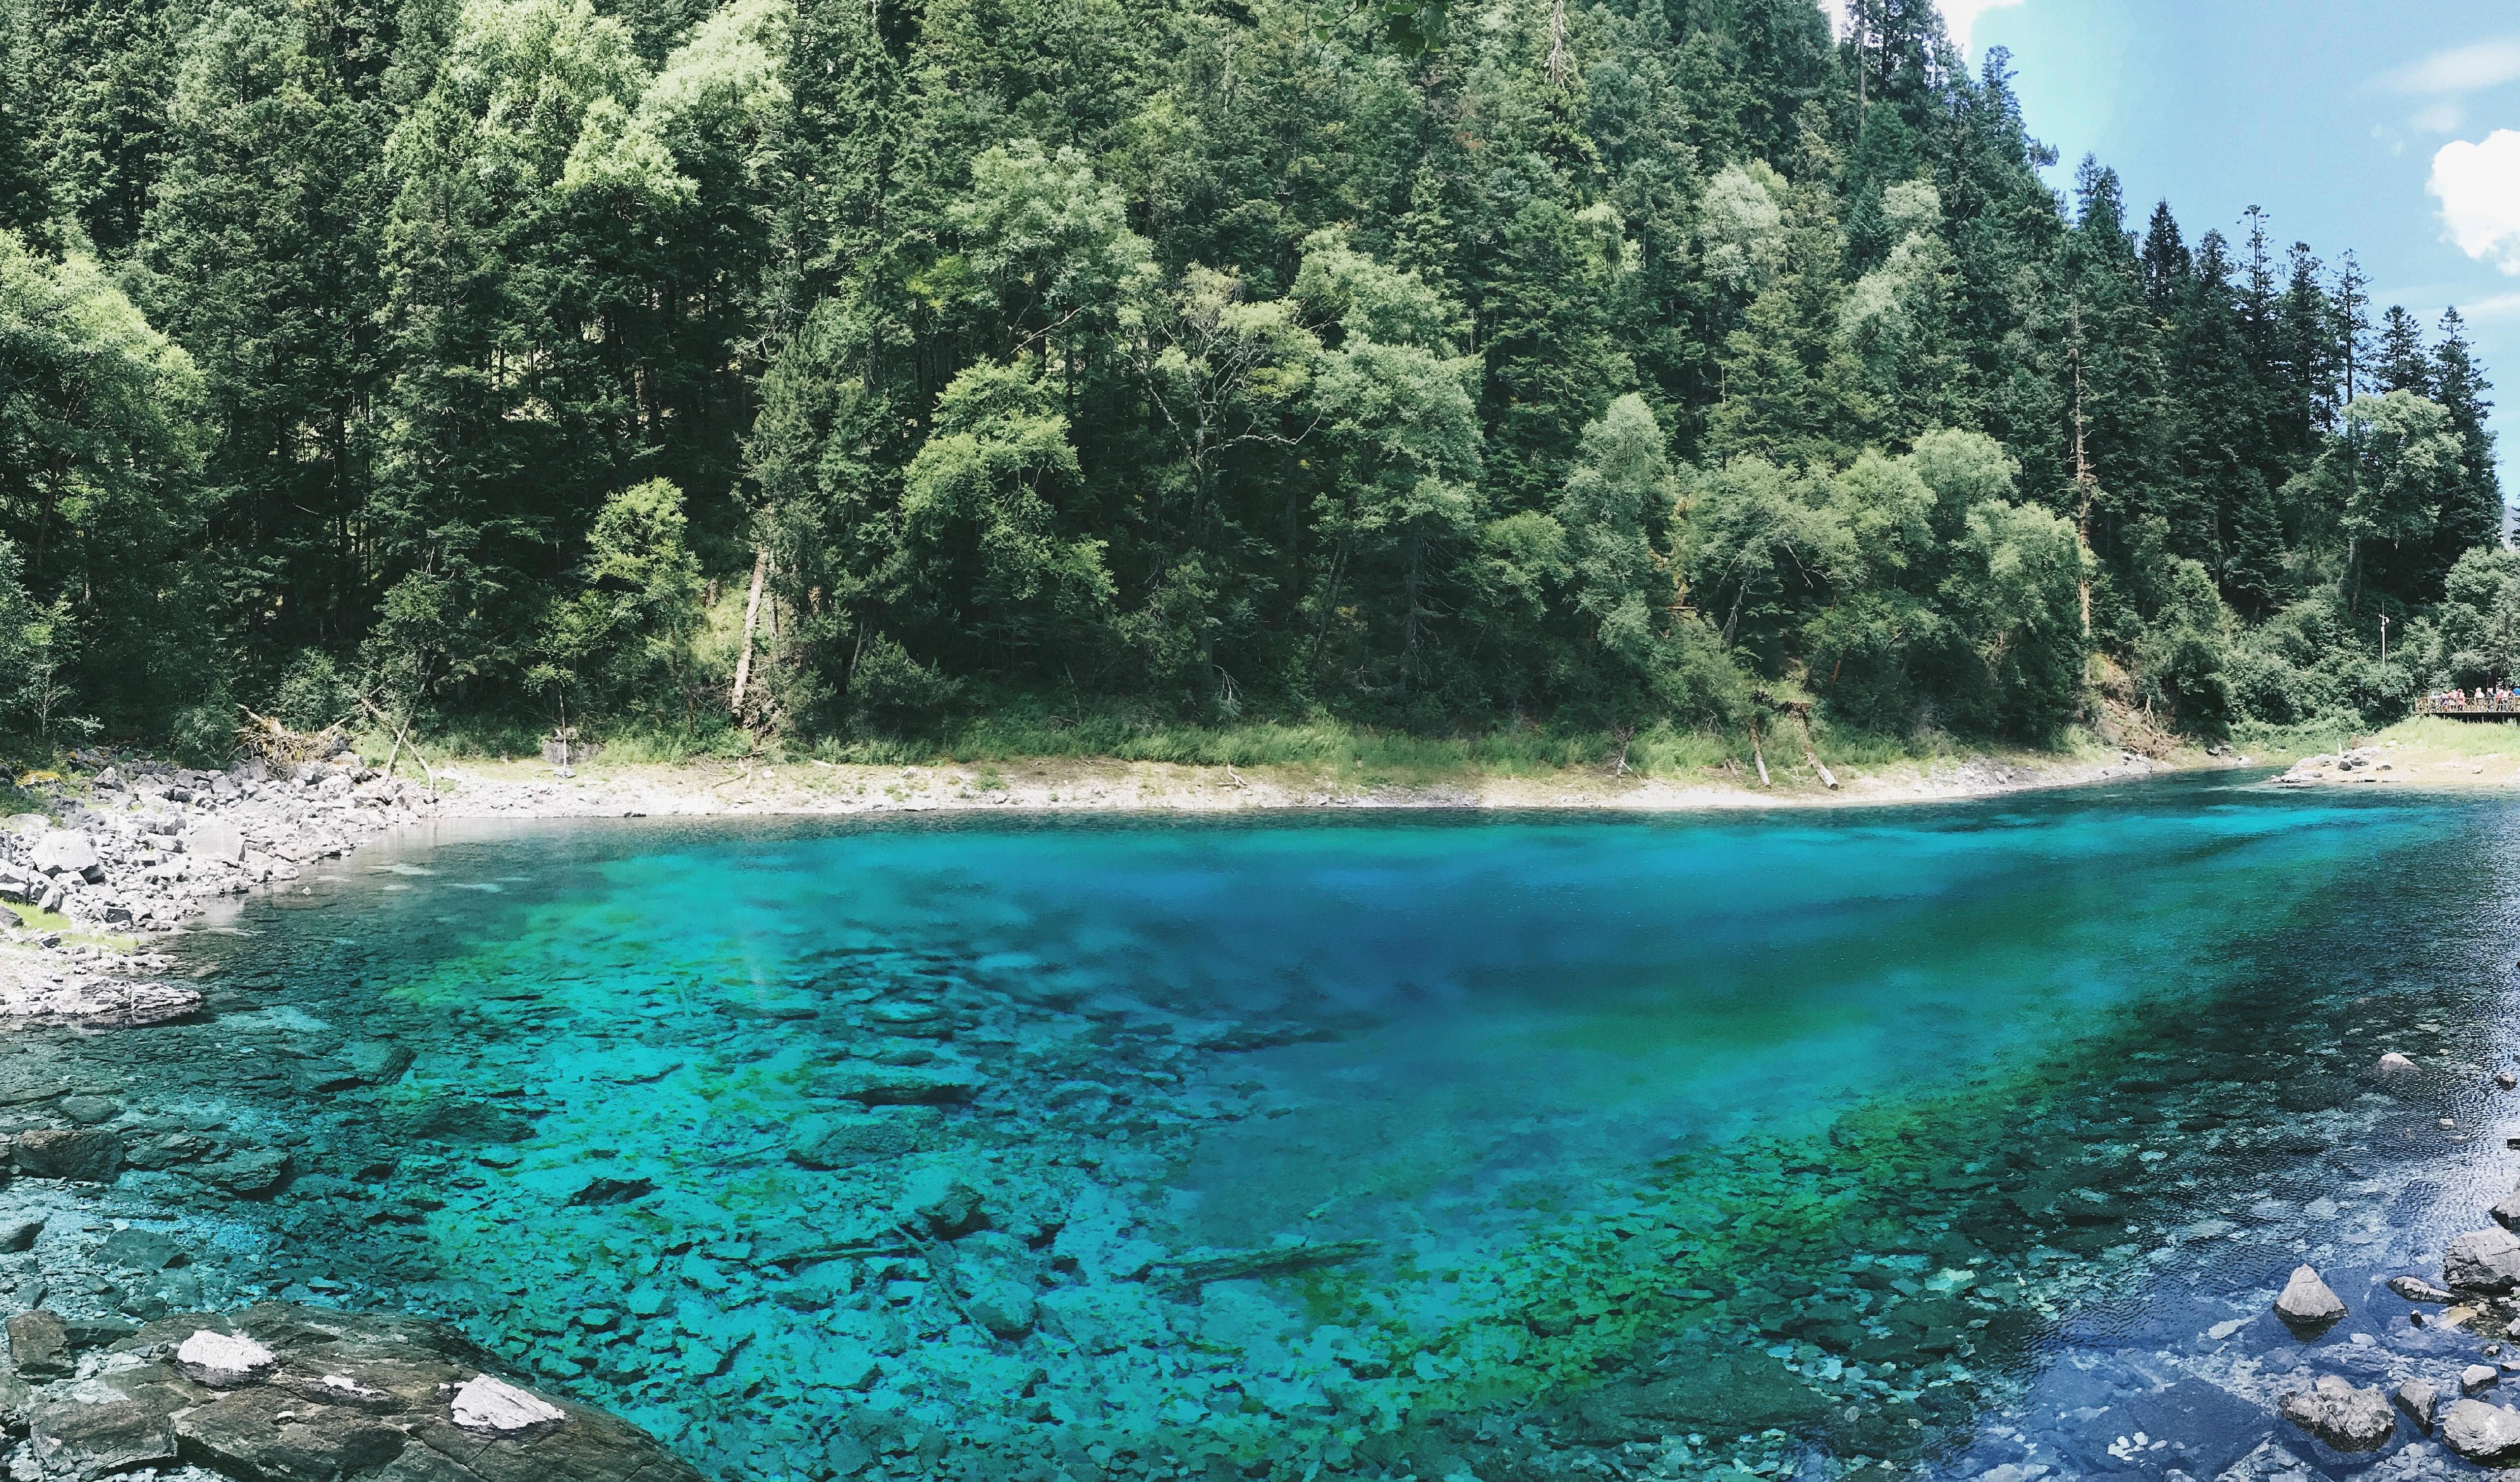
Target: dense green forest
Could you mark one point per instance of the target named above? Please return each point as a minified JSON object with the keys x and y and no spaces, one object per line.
{"x":1602,"y":364}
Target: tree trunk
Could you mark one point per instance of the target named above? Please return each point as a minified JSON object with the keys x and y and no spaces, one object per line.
{"x":751,"y":614}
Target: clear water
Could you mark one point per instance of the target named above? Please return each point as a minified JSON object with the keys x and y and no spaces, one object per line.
{"x":1894,"y":1139}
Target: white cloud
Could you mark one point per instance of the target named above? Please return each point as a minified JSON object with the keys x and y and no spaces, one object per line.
{"x":2479,"y":185}
{"x":2499,"y":306}
{"x":2440,"y":118}
{"x":1960,"y":17}
{"x":2459,"y":70}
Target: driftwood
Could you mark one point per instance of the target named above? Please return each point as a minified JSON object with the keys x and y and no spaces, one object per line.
{"x":1268,"y":1261}
{"x":271,"y":742}
{"x":1811,"y":753}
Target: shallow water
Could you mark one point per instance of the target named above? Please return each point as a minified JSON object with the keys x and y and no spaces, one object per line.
{"x":1671,"y":1146}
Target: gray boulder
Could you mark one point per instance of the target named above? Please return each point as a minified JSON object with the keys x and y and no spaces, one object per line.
{"x":2344,"y":1417}
{"x":94,"y":1430}
{"x":327,"y":1395}
{"x":2418,"y":1399}
{"x":81,"y":1154}
{"x":2480,"y":1432}
{"x":39,"y":1344}
{"x":252,"y":1173}
{"x":2482,"y":1260}
{"x":2307,"y":1301}
{"x":63,"y":851}
{"x":2507,"y":1213}
{"x":2478,"y":1378}
{"x":213,"y":839}
{"x":2417,"y":1290}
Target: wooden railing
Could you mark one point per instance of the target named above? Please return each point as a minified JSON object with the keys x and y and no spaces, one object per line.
{"x":2474,"y":707}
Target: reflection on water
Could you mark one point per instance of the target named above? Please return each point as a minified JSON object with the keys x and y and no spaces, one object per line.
{"x":1377,"y":1146}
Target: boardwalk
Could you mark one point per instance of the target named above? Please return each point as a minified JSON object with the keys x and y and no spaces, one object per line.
{"x":2473,"y":708}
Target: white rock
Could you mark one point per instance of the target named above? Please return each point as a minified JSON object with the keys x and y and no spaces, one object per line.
{"x":63,"y":851}
{"x":2482,"y":1260}
{"x":2481,"y":1432}
{"x":2394,"y":1064}
{"x":215,"y":838}
{"x":488,"y":1404}
{"x":219,"y":1356}
{"x":2476,"y":1376}
{"x":2306,"y":1299}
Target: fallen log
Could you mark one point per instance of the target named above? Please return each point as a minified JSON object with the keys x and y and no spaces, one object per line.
{"x":1267,"y":1261}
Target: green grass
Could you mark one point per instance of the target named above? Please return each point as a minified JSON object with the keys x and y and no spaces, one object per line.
{"x":34,"y":920}
{"x":1355,"y":753}
{"x":2452,"y":738}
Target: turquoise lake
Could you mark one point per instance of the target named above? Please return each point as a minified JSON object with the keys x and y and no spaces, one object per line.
{"x":1384,"y":1146}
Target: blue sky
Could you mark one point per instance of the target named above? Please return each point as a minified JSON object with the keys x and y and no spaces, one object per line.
{"x":2369,"y":126}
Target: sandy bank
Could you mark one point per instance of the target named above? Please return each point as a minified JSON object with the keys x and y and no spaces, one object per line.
{"x":1062,"y":785}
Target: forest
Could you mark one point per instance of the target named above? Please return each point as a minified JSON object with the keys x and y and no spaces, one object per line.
{"x":827,"y":371}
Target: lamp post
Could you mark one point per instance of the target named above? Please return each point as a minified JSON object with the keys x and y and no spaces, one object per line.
{"x":2384,"y":643}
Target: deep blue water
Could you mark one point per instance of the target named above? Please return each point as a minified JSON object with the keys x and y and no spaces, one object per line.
{"x":1898,"y":1137}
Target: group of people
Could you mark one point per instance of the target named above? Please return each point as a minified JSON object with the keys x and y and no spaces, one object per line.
{"x":2460,"y":700}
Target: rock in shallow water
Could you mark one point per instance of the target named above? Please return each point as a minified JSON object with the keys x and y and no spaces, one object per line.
{"x":2482,"y":1260}
{"x":2481,"y":1432}
{"x":941,"y":1200}
{"x":2344,"y":1417}
{"x":2418,"y":1398}
{"x":838,"y":1142}
{"x":82,"y":1154}
{"x":2307,"y":1300}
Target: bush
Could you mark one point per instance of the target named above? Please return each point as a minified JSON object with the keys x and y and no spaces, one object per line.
{"x":889,"y":689}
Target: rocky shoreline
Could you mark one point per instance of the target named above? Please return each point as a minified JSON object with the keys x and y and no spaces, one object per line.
{"x":142,"y":848}
{"x":278,"y":1391}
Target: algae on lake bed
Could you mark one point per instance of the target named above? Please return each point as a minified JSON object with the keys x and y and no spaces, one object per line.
{"x":981,"y":1152}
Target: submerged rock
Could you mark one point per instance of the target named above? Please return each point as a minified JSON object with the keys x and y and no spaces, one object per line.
{"x":902,"y":1085}
{"x":250,"y":1173}
{"x":2307,"y":1300}
{"x":838,"y":1142}
{"x":941,"y":1200}
{"x":1004,"y":1306}
{"x":82,"y":1154}
{"x":2344,"y":1417}
{"x":2482,"y":1260}
{"x":2481,"y":1432}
